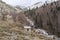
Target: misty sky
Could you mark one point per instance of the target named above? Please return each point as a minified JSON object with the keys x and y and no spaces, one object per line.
{"x":23,"y":2}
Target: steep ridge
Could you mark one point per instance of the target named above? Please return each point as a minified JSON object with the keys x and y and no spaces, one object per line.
{"x":50,"y":17}
{"x":16,"y":14}
{"x":47,"y":17}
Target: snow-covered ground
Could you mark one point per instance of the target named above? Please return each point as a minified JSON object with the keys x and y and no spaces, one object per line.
{"x":30,"y":21}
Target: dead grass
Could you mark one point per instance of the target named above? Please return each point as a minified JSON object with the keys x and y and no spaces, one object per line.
{"x":6,"y":30}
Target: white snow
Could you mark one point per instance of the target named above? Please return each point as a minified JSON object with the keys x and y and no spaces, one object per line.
{"x":42,"y":31}
{"x":27,"y":27}
{"x":30,"y":21}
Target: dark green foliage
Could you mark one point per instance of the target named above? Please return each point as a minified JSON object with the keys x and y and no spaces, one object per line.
{"x":55,"y":2}
{"x":36,"y":7}
{"x":36,"y":17}
{"x":41,"y":22}
{"x":38,"y":21}
{"x":31,"y":13}
{"x":51,"y":4}
{"x":46,"y":2}
{"x":55,"y":21}
{"x":51,"y":10}
{"x":57,"y":8}
{"x":53,"y":26}
{"x":50,"y":25}
{"x":43,"y":6}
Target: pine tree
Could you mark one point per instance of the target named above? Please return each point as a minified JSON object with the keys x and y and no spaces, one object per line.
{"x":55,"y":21}
{"x":50,"y":25}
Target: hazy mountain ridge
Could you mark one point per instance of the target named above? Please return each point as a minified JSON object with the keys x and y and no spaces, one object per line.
{"x":4,"y":5}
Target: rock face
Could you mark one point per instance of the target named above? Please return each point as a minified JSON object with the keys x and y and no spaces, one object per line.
{"x":47,"y":17}
{"x":50,"y":17}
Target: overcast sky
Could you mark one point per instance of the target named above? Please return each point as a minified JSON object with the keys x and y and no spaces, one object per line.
{"x":23,"y":2}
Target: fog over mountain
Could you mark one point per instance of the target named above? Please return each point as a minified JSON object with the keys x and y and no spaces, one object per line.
{"x":24,"y":3}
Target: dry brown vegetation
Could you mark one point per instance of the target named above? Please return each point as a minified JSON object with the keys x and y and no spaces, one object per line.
{"x":15,"y":31}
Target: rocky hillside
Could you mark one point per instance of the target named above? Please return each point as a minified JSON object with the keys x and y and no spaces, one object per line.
{"x":5,"y":6}
{"x":14,"y":13}
{"x":50,"y":17}
{"x":47,"y":17}
{"x":15,"y":31}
